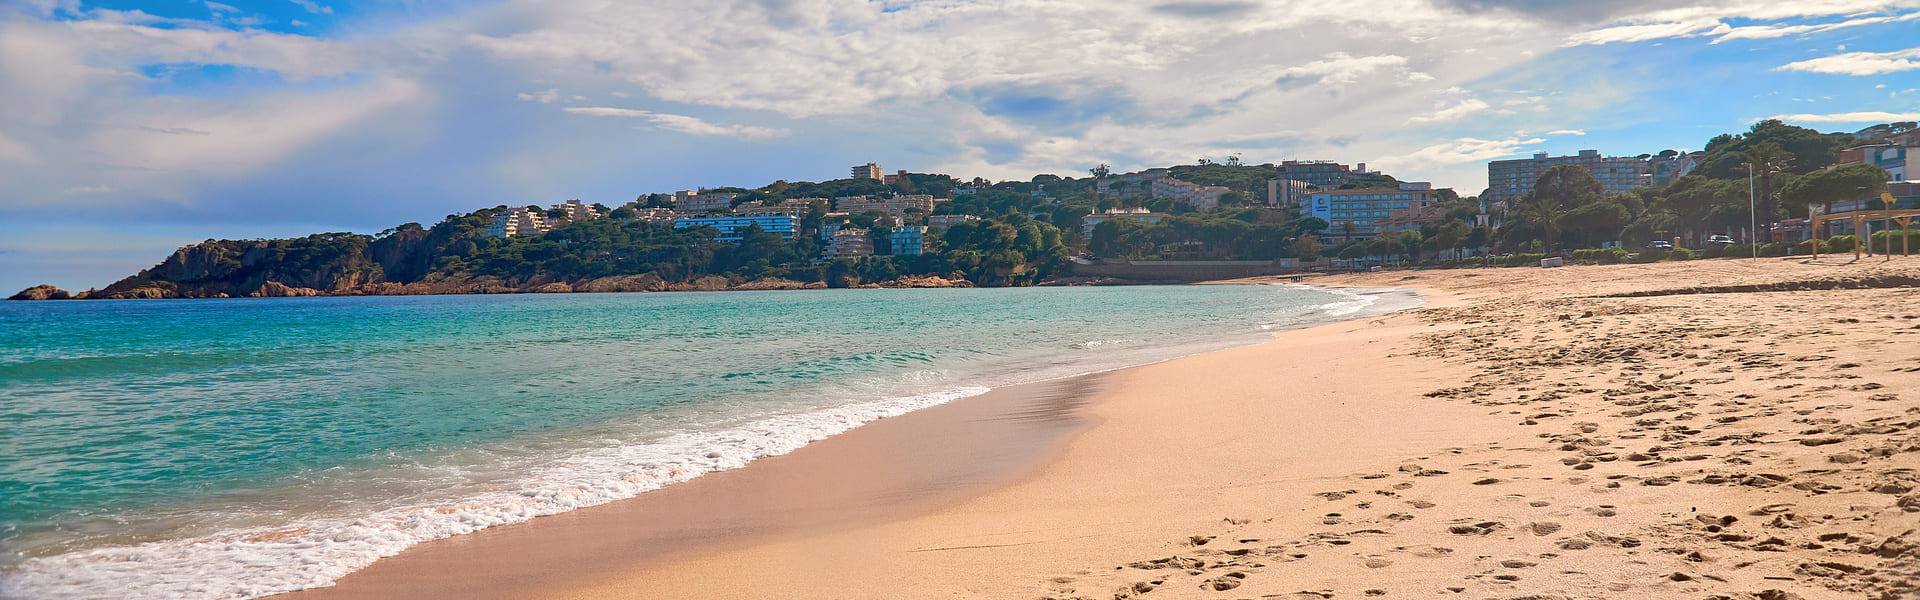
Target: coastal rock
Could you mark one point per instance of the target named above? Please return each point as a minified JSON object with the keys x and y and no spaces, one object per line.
{"x":927,"y":281}
{"x":645,"y":282}
{"x":552,"y":288}
{"x":771,"y":283}
{"x":275,"y":289}
{"x":710,"y":283}
{"x":42,"y":292}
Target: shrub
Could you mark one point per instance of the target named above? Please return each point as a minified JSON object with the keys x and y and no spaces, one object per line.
{"x":1775,"y":249}
{"x":1890,"y":242}
{"x":1651,"y":255}
{"x":1680,"y":254}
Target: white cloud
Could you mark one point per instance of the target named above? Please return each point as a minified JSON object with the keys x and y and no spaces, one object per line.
{"x":683,"y":123}
{"x":1450,"y":113}
{"x":546,"y":97}
{"x":1711,"y":19}
{"x":92,"y":189}
{"x":1850,"y":117}
{"x":313,"y":7}
{"x":1454,"y":152}
{"x":1860,"y":63}
{"x":1567,"y":132}
{"x":218,"y":7}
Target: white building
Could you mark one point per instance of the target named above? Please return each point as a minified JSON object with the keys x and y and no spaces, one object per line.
{"x":519,"y":220}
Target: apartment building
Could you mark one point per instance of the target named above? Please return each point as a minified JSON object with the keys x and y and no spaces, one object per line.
{"x":1662,"y":172}
{"x":702,"y":201}
{"x":1283,"y":193}
{"x":730,"y":226}
{"x":1899,"y":161}
{"x":867,"y":171}
{"x":519,"y":220}
{"x":897,"y":206}
{"x":848,"y":242}
{"x":1365,"y":213}
{"x":909,"y":241}
{"x":1325,"y":174}
{"x":1200,"y":197}
{"x":792,"y":208}
{"x":1511,"y":180}
{"x":576,"y":212}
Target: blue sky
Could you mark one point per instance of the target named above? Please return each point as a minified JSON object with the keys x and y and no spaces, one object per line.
{"x":133,"y":127}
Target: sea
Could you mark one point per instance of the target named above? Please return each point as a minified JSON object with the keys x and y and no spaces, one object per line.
{"x":238,"y":448}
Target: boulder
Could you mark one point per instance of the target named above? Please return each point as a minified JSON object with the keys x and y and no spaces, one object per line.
{"x":552,"y":288}
{"x":645,"y":282}
{"x":275,"y":289}
{"x":42,"y":292}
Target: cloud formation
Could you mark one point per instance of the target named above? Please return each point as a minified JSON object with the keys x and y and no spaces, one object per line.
{"x":1860,"y":63}
{"x":1850,"y":117}
{"x":683,"y":123}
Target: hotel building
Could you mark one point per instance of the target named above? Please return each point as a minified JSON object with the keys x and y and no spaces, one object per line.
{"x":1511,"y":180}
{"x":867,"y":171}
{"x":1323,"y":173}
{"x":1364,"y":213}
{"x":730,"y":226}
{"x":848,"y":242}
{"x":702,"y":202}
{"x":909,"y":241}
{"x":896,"y":206}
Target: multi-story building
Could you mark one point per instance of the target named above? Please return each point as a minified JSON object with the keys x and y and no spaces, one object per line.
{"x":894,"y":178}
{"x":1899,"y":161}
{"x":848,"y":242}
{"x":909,"y":241}
{"x":576,"y":212}
{"x":730,"y":226}
{"x":1510,"y":180}
{"x":653,"y":215}
{"x":519,"y":220}
{"x":1283,"y":193}
{"x":1364,"y":213}
{"x":1087,"y":223}
{"x":793,"y":208}
{"x":1200,"y":197}
{"x":702,"y":201}
{"x":944,"y":221}
{"x":1325,"y":174}
{"x":867,"y":171}
{"x":897,"y":206}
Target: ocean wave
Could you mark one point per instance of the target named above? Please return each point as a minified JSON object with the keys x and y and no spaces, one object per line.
{"x":254,"y":562}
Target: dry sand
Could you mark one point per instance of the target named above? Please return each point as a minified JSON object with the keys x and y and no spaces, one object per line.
{"x":1739,"y":429}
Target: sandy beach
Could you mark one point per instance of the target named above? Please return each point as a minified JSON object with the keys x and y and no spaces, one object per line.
{"x":1730,"y":429}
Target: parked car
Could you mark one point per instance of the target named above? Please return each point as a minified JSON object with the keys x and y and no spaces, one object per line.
{"x":1720,"y":240}
{"x":1660,"y":245}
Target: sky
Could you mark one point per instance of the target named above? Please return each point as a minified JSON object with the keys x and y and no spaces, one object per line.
{"x":129,"y":128}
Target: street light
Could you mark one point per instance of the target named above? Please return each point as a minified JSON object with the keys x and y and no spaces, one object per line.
{"x":1753,"y":214}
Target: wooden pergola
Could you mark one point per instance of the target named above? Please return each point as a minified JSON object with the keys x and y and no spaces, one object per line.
{"x":1860,"y":219}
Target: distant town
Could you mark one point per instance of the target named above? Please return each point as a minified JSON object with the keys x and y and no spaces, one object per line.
{"x":1773,"y":190}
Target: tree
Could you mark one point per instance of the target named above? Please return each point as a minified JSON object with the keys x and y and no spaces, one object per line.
{"x":1826,"y":187}
{"x":1560,"y":189}
{"x":1764,"y":160}
{"x":1449,"y":235}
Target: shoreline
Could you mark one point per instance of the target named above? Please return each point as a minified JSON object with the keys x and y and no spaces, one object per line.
{"x":1002,"y":441}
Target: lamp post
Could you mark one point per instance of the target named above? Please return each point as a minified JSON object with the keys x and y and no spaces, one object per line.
{"x":1753,"y":214}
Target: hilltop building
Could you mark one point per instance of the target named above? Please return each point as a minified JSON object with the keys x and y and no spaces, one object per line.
{"x":1160,"y":183}
{"x":702,"y":202}
{"x":867,"y":171}
{"x":1323,"y":173}
{"x":519,"y":220}
{"x":576,"y":212}
{"x":1282,"y":193}
{"x":1900,"y":161}
{"x":730,"y":226}
{"x":1510,"y":180}
{"x":1662,"y":172}
{"x":792,"y":208}
{"x":1365,"y":213}
{"x":894,"y":178}
{"x":897,"y":206}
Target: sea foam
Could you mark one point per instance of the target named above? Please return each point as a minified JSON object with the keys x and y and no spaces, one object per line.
{"x":256,"y":562}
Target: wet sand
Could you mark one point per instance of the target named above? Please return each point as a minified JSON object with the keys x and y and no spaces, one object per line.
{"x":905,"y":465}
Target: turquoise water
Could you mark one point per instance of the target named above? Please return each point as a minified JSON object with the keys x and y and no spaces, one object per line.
{"x":236,"y":448}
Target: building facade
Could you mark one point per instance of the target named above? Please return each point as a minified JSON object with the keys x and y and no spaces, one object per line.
{"x":1282,"y":193}
{"x":1899,"y":161}
{"x":944,"y":221}
{"x":702,"y":202}
{"x":1200,"y":197}
{"x":1511,"y":180}
{"x":730,"y":226}
{"x":1325,"y":174}
{"x":519,"y":220}
{"x":897,"y":206}
{"x":1365,"y":213}
{"x":909,"y":241}
{"x":848,"y":242}
{"x":867,"y":171}
{"x":576,"y":212}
